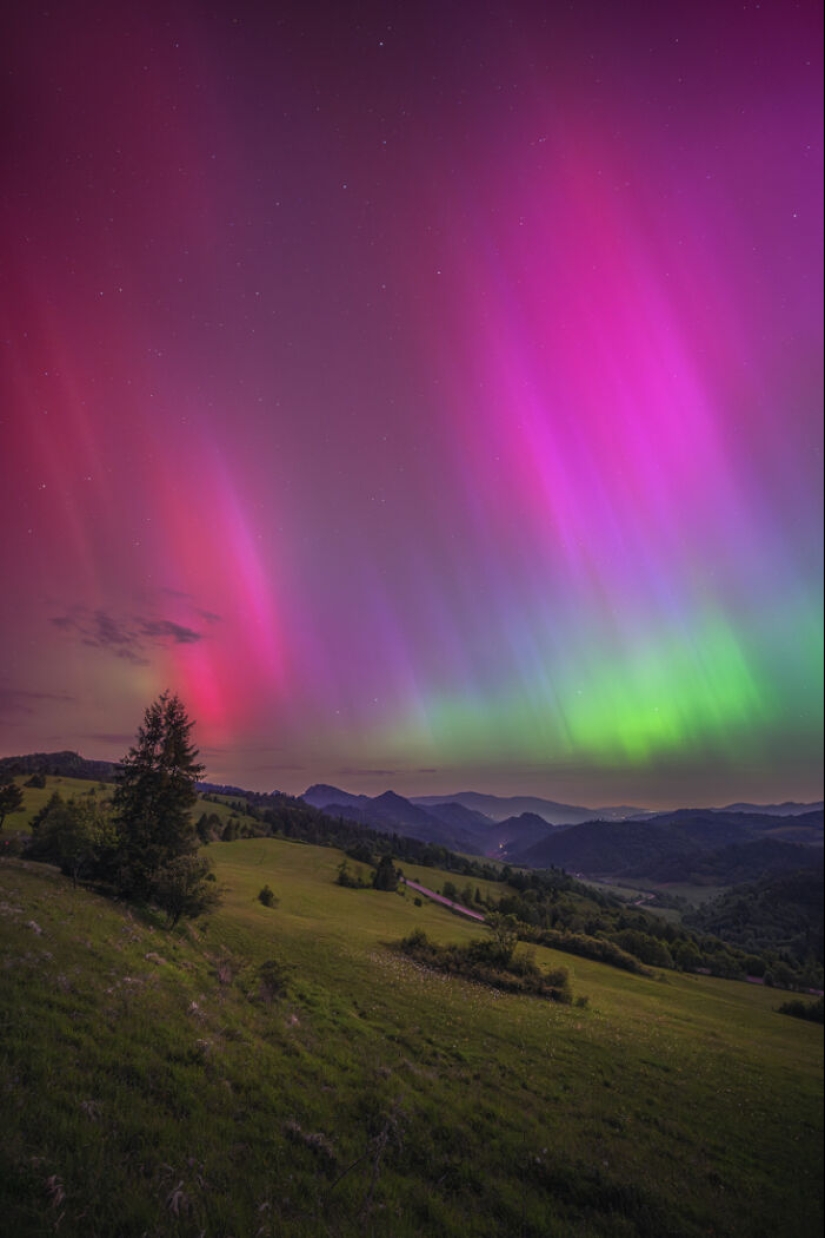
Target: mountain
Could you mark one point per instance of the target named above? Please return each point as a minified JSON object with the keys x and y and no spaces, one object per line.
{"x":519,"y":833}
{"x":736,"y":863}
{"x":457,"y":816}
{"x":689,"y":845}
{"x":603,"y":848}
{"x":789,"y":809}
{"x":321,"y":794}
{"x":692,"y":845}
{"x":500,"y":808}
{"x":393,"y":814}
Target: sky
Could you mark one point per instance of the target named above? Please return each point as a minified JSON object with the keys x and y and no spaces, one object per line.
{"x":429,"y":393}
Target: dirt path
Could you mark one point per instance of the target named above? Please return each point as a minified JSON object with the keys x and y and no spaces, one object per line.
{"x":445,"y":902}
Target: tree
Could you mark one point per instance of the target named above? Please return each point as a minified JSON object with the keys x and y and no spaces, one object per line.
{"x":266,"y":895}
{"x":76,"y":834}
{"x":182,"y":888}
{"x":386,"y":875}
{"x":154,"y":799}
{"x":505,"y":935}
{"x":11,"y":798}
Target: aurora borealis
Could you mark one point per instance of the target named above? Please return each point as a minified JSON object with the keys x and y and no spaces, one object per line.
{"x":431,"y":394}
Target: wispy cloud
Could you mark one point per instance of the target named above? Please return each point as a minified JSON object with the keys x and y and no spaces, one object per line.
{"x":20,"y":701}
{"x":160,"y":628}
{"x":353,"y":771}
{"x":129,"y":638}
{"x":110,"y":737}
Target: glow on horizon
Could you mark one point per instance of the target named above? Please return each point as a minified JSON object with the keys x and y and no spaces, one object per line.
{"x":418,"y":452}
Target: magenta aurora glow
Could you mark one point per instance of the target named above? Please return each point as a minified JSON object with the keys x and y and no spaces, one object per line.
{"x":430,"y":394}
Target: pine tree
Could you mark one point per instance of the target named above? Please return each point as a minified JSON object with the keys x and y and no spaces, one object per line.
{"x":154,"y":798}
{"x":386,"y":875}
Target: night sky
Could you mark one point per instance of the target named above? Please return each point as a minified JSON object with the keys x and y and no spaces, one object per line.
{"x":430,"y":393}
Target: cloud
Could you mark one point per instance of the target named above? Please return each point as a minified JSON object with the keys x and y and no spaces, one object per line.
{"x":352,"y":771}
{"x":110,"y":737}
{"x":180,"y":596}
{"x":20,"y":701}
{"x":129,"y":638}
{"x":158,"y":628}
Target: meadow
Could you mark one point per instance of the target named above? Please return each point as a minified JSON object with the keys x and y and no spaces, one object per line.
{"x":285,"y":1071}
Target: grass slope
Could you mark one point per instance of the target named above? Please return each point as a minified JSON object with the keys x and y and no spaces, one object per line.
{"x":35,"y":798}
{"x":156,"y":1084}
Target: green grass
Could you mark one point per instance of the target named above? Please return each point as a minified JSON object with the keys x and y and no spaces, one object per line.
{"x":35,"y":798}
{"x":151,"y":1087}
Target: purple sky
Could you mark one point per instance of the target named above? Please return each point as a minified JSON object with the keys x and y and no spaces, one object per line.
{"x":431,"y":394}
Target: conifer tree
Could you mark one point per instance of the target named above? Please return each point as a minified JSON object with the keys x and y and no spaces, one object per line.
{"x":154,"y":798}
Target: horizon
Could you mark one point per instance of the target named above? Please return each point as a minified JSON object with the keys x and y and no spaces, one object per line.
{"x":426,"y":396}
{"x":297,"y":789}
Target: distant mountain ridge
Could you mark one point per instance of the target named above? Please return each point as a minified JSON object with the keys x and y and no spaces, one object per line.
{"x":60,"y":765}
{"x":790,"y":808}
{"x":697,"y":846}
{"x":500,"y":808}
{"x":702,"y":846}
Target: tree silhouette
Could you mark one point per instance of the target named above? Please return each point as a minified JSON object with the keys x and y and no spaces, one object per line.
{"x":154,"y":798}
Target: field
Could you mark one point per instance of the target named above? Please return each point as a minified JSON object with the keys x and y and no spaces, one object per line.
{"x":283,"y":1071}
{"x":35,"y":798}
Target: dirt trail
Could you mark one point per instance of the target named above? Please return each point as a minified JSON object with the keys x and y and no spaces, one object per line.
{"x":445,"y":902}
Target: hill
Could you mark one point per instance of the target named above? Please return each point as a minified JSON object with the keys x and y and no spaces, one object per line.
{"x":691,"y":846}
{"x":285,"y":1071}
{"x":59,"y":764}
{"x":782,"y":911}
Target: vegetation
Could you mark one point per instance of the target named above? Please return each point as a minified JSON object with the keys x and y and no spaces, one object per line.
{"x":11,"y":797}
{"x":154,"y":798}
{"x":386,"y":874}
{"x":290,"y":1074}
{"x":266,"y":896}
{"x":75,"y":834}
{"x":551,"y":907}
{"x":777,"y":915}
{"x":798,"y":1009}
{"x":137,"y":841}
{"x":489,"y":963}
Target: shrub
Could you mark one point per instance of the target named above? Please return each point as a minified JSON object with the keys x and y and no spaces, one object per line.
{"x":799,"y":1009}
{"x":267,"y":897}
{"x":180,"y":888}
{"x":481,"y":961}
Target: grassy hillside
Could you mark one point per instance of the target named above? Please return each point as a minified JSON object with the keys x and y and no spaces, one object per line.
{"x":35,"y":798}
{"x":169,"y":1084}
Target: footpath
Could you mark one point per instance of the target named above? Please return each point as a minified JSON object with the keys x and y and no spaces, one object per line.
{"x":445,"y":902}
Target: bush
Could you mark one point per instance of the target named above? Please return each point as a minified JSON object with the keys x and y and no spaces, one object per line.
{"x":481,"y":961}
{"x":267,"y":897}
{"x":799,"y":1009}
{"x":180,"y":888}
